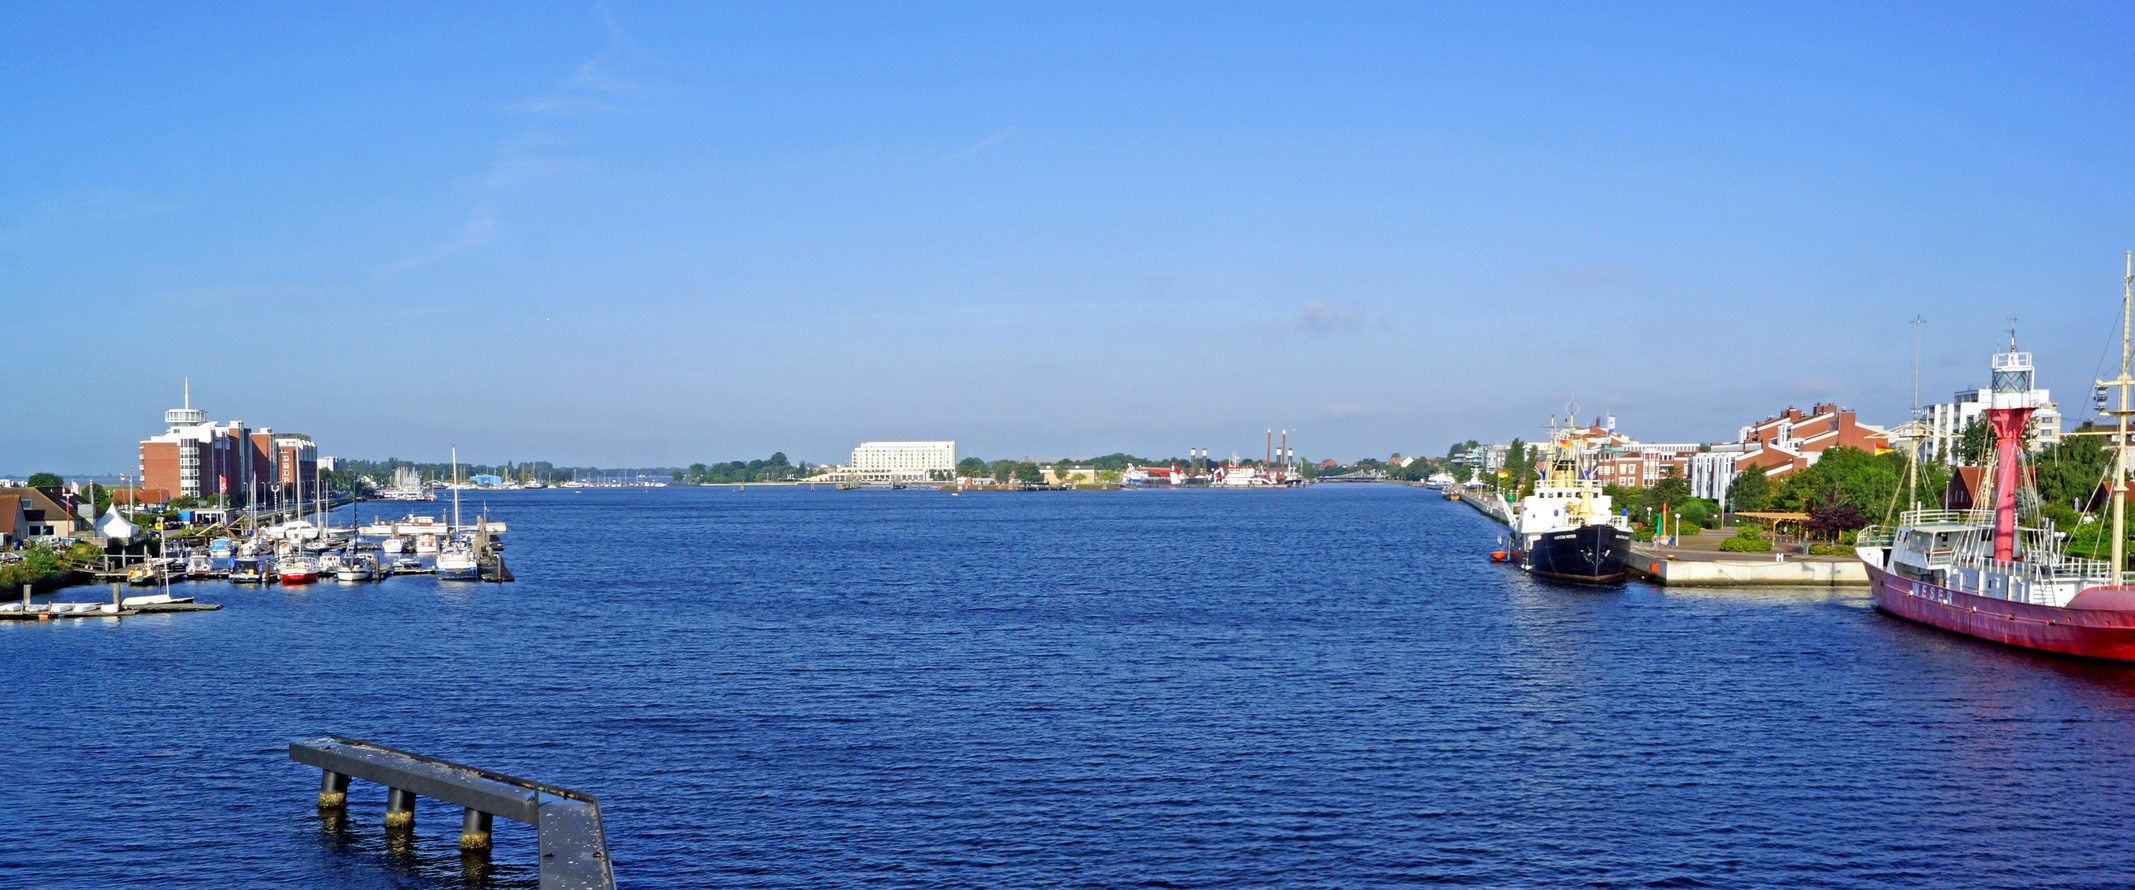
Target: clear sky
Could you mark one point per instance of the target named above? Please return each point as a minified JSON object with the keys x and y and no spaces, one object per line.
{"x":643,"y":234}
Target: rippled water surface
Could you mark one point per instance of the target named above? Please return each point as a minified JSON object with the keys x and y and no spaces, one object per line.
{"x":1319,"y":688}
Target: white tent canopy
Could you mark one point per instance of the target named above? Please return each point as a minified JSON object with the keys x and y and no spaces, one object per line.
{"x":115,"y":526}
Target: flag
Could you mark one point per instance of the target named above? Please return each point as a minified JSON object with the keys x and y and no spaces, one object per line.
{"x":225,"y":482}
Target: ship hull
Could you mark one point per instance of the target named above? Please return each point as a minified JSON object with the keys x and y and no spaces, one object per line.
{"x":2090,"y":633}
{"x":1591,"y":554}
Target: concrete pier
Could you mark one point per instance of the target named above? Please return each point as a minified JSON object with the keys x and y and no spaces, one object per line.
{"x":574,"y":844}
{"x":333,"y":790}
{"x":1703,"y":569}
{"x":400,"y":809}
{"x":474,"y":829}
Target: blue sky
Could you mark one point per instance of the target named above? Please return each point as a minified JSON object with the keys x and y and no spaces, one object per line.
{"x":653,"y":234}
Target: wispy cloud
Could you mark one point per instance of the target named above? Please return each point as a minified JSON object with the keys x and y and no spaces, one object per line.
{"x":532,"y":154}
{"x":1002,"y":135}
{"x":479,"y":229}
{"x":585,"y":91}
{"x":1345,"y":411}
{"x":1322,"y":319}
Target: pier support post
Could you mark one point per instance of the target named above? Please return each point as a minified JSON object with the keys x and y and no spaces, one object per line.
{"x":333,"y":790}
{"x":474,"y":830}
{"x":400,"y":809}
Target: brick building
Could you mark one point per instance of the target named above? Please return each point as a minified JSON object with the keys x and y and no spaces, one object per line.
{"x":228,"y":463}
{"x":1784,"y":443}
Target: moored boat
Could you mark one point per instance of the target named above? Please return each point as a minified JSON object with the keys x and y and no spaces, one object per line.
{"x":357,"y":567}
{"x":1567,"y":529}
{"x":297,"y":570}
{"x":248,"y":570}
{"x":457,"y":563}
{"x":1985,"y":574}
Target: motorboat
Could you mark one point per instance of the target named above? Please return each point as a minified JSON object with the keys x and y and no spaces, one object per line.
{"x":248,"y":570}
{"x":359,"y":567}
{"x":457,"y":563}
{"x":297,"y":570}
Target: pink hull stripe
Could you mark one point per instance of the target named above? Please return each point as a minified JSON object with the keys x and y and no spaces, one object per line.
{"x":2093,"y":633}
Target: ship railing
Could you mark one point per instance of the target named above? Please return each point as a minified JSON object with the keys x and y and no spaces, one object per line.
{"x":1875,"y":536}
{"x":2059,"y":568}
{"x":1947,"y":517}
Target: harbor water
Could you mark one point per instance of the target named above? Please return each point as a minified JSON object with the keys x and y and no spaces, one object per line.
{"x":1327,"y":687}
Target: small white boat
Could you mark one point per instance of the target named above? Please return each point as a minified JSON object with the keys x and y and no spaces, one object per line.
{"x":394,"y":544}
{"x":457,"y":563}
{"x":360,"y":567}
{"x":426,"y":543}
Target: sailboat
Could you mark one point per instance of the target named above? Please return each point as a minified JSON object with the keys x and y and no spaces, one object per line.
{"x":457,"y":562}
{"x":1984,"y":574}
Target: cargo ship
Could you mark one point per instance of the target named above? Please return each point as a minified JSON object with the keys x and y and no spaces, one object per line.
{"x":1984,"y":573}
{"x":1567,"y":529}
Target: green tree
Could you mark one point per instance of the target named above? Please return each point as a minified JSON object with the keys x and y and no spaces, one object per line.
{"x":1003,"y":470}
{"x":45,"y":480}
{"x":971,"y":467}
{"x":1672,"y":492}
{"x":1518,"y":463}
{"x":1975,"y":443}
{"x":1028,"y":471}
{"x":1751,"y":489}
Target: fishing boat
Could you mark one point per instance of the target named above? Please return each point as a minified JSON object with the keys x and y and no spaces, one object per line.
{"x":248,"y":570}
{"x":297,"y":569}
{"x":357,"y":567}
{"x":141,"y":576}
{"x":199,"y":565}
{"x":393,"y":545}
{"x":1567,"y":529}
{"x":426,"y":543}
{"x":1984,"y":573}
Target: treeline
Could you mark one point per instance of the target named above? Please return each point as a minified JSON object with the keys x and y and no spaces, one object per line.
{"x":775,"y":468}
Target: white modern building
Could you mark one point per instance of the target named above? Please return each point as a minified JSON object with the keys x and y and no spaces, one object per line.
{"x":900,"y":461}
{"x":2011,"y":388}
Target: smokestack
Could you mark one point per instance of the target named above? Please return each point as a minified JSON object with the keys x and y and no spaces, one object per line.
{"x":1271,"y":449}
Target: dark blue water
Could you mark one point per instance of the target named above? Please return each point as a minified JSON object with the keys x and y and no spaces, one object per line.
{"x":1320,"y":688}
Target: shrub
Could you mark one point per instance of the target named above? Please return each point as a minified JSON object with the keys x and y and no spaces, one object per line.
{"x":1830,"y":550}
{"x":1751,"y":533}
{"x":1739,"y":544}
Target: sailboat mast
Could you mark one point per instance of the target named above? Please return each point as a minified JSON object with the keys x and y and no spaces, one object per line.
{"x":2120,"y":442}
{"x":455,"y":486}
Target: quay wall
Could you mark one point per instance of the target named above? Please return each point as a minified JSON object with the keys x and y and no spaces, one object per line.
{"x":1488,"y":503}
{"x":1703,"y":571}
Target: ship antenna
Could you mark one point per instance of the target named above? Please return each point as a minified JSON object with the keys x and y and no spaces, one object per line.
{"x":1912,"y":467}
{"x":2120,"y":440}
